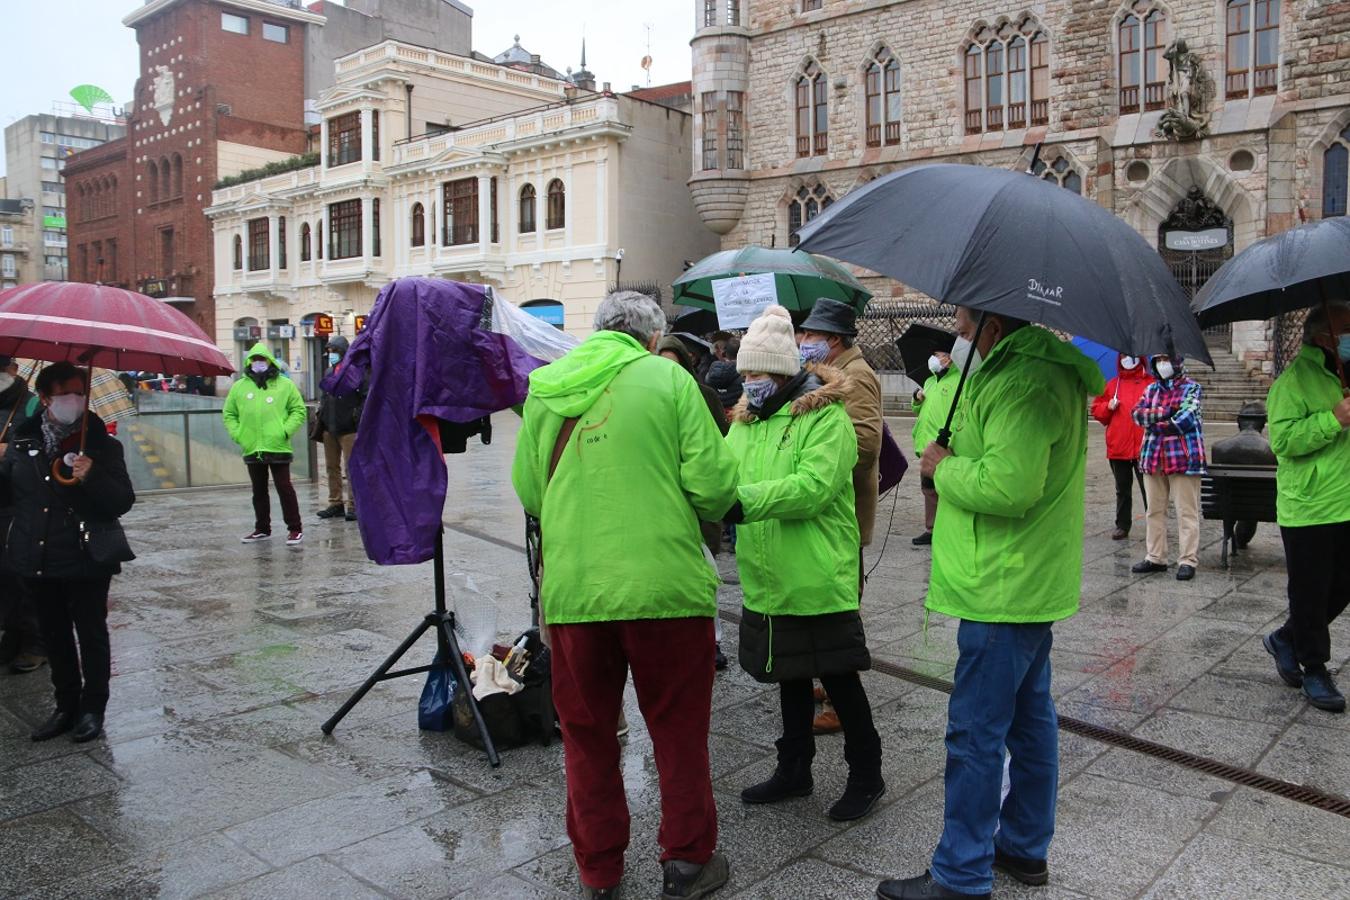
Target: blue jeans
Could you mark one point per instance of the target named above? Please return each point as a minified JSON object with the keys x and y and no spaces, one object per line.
{"x":1001,"y":698}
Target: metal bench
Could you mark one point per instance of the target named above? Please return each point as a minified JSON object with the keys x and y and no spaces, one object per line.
{"x":1236,"y":494}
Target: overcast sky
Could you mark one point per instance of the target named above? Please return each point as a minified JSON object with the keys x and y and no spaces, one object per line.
{"x":57,"y":44}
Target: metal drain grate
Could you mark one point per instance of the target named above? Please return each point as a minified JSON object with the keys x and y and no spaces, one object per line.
{"x":1313,"y":797}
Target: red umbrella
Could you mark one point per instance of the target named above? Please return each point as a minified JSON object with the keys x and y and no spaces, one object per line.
{"x":96,"y":325}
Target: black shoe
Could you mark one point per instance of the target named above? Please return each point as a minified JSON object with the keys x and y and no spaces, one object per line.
{"x":590,"y":893}
{"x":719,"y":659}
{"x":350,"y":515}
{"x":1286,"y":664}
{"x":857,"y":801}
{"x":9,"y":647}
{"x":87,"y":728}
{"x":1321,"y":691}
{"x":790,"y":779}
{"x":1185,"y":573}
{"x":686,"y":881}
{"x":1147,"y":567}
{"x":920,"y":887}
{"x":1034,"y":872}
{"x":58,"y":724}
{"x":332,"y":512}
{"x":923,"y":540}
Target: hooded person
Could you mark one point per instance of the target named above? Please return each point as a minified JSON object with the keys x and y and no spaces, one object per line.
{"x":335,"y":426}
{"x":797,"y":551}
{"x":722,"y":375}
{"x":1114,"y":408}
{"x":931,"y":404}
{"x":619,"y":460}
{"x":1008,"y":564}
{"x":263,"y":409}
{"x":1172,"y":460}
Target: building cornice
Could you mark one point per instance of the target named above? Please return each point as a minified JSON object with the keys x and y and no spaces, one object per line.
{"x":262,"y":7}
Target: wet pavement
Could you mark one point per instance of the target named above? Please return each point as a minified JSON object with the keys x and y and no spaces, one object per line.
{"x":214,"y":778}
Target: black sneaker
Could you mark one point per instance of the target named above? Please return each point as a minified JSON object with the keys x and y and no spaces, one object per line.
{"x":682,"y":880}
{"x":1034,"y":872}
{"x":350,"y":515}
{"x":923,"y":540}
{"x":1147,"y":567}
{"x":787,"y":781}
{"x":719,"y":659}
{"x":920,"y":887}
{"x":57,"y":724}
{"x":1185,"y":573}
{"x":857,"y":801}
{"x":1286,"y":663}
{"x":1321,"y":691}
{"x":332,"y":512}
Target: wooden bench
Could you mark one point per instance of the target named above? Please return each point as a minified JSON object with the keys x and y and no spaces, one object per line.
{"x":1235,"y":494}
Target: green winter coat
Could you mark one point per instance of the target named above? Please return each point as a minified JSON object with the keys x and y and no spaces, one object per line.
{"x":261,"y":420}
{"x":797,"y":549}
{"x":1313,"y":450}
{"x":938,"y":393}
{"x":645,"y":462}
{"x":1008,"y":540}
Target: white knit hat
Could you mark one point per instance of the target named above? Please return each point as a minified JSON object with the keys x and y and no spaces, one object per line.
{"x":769,"y":346}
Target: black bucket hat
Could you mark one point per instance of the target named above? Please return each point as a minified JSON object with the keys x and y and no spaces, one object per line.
{"x":831,"y":317}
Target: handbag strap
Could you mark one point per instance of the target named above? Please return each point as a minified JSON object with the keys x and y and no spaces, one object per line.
{"x":564,"y":435}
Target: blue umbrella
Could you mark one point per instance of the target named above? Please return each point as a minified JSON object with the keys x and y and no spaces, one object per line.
{"x":1103,"y":356}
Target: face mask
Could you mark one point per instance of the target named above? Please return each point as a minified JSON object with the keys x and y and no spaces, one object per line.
{"x":935,"y":365}
{"x":961,"y":351}
{"x":1343,"y":348}
{"x":67,"y":408}
{"x":814,"y":352}
{"x":1129,"y":363}
{"x":759,"y":390}
{"x":1165,"y":369}
{"x":6,"y":381}
{"x":334,"y":359}
{"x":260,"y":366}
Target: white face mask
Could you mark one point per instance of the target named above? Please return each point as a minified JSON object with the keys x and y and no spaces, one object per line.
{"x":962,"y":350}
{"x":259,"y":365}
{"x":1129,"y":363}
{"x":67,"y":408}
{"x":1165,"y":369}
{"x":6,"y":381}
{"x":935,"y":365}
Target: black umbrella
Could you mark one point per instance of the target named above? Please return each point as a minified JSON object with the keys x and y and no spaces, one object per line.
{"x":917,"y":344}
{"x":997,"y":240}
{"x":695,"y":321}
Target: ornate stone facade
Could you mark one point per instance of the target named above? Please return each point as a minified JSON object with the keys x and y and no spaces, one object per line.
{"x":984,"y":82}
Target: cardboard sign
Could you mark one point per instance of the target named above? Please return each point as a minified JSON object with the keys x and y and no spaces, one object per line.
{"x":740,"y":300}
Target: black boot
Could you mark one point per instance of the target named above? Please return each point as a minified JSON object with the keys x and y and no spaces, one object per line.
{"x":89,"y":726}
{"x":865,"y":785}
{"x":58,"y":724}
{"x":792,"y":778}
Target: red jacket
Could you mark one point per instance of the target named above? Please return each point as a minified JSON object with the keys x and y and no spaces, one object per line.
{"x":1123,"y":437}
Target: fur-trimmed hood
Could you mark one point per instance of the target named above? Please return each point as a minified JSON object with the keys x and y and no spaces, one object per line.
{"x":825,"y":385}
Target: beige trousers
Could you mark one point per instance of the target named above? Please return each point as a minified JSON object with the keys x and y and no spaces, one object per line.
{"x":337,"y":457}
{"x":1184,"y":491}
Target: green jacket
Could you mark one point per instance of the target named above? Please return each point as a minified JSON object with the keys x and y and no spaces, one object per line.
{"x":262,"y":419}
{"x":938,"y":393}
{"x":1311,"y":447}
{"x":797,"y":549}
{"x":1008,"y":540}
{"x":620,"y":516}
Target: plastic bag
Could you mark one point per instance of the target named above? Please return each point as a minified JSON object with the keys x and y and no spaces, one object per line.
{"x":436,"y":708}
{"x":476,"y":615}
{"x":535,"y":336}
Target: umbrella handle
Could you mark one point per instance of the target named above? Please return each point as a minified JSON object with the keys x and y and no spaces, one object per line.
{"x":84,"y":435}
{"x":944,"y":436}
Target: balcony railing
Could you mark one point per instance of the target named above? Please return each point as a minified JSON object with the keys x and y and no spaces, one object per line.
{"x":820,"y":144}
{"x":1267,"y":78}
{"x":974,"y":121}
{"x":1017,"y":115}
{"x":1040,"y":112}
{"x":874,"y":135}
{"x":525,"y":125}
{"x":1236,"y":85}
{"x":1155,"y":95}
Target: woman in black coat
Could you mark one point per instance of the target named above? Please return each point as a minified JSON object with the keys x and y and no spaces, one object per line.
{"x":65,"y":542}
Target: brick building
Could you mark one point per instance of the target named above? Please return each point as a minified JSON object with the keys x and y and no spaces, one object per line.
{"x":800,"y":101}
{"x":221,"y":90}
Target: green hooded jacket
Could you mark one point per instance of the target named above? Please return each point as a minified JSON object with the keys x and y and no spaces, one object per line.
{"x":620,"y":516}
{"x":262,"y":419}
{"x":938,"y":393}
{"x":1008,"y":540}
{"x":1313,"y":450}
{"x":797,"y":549}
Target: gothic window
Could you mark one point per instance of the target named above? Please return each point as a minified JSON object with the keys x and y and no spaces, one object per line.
{"x":735,"y":130}
{"x":882,"y":87}
{"x":1060,"y":172}
{"x":809,"y":5}
{"x":1007,"y":77}
{"x":306,"y":243}
{"x":527,"y":201}
{"x":709,"y":111}
{"x":152,"y":181}
{"x":804,"y":207}
{"x":1253,"y":29}
{"x":1143,"y":83}
{"x":813,"y":112}
{"x":1335,"y":173}
{"x":557,"y":205}
{"x":165,"y":179}
{"x":177,"y":175}
{"x":709,"y":13}
{"x":419,"y":226}
{"x":733,"y":12}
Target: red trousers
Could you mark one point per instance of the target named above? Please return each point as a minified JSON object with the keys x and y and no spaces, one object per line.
{"x":672,"y":665}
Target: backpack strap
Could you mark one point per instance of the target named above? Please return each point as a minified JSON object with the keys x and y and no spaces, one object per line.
{"x":564,"y":435}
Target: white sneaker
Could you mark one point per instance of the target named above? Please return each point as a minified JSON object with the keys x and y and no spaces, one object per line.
{"x":294,"y":538}
{"x":256,"y":536}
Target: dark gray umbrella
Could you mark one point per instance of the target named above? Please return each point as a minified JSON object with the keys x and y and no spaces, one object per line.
{"x":998,"y":240}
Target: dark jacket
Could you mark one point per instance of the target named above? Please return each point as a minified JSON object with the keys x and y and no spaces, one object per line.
{"x":338,"y":415}
{"x":723,"y":378}
{"x":710,"y":396}
{"x":44,"y":538}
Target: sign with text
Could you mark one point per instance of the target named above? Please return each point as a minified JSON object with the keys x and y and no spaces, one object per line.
{"x":323,"y":325}
{"x":740,"y":300}
{"x":1209,"y":239}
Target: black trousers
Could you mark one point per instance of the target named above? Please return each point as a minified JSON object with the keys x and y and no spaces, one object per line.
{"x":17,"y":619}
{"x":862,"y":744}
{"x":69,"y":609}
{"x":262,"y":504}
{"x":1318,"y":560}
{"x":1126,"y":472}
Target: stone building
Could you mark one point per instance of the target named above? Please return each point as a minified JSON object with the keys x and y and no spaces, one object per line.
{"x":800,"y":101}
{"x":546,"y":191}
{"x":20,"y":251}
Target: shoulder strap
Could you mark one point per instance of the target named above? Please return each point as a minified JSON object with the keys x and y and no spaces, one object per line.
{"x":564,"y":435}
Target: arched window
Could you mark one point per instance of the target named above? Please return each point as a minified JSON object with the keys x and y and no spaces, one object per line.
{"x":1253,"y":29}
{"x":165,"y":179}
{"x":1335,"y":173}
{"x":1143,"y":84}
{"x":527,"y":200}
{"x":1007,"y":77}
{"x":882,"y":80}
{"x":306,"y":244}
{"x":804,"y":207}
{"x":813,"y":112}
{"x":1060,"y":172}
{"x":238,"y":252}
{"x":557,"y":205}
{"x":419,"y":226}
{"x":152,"y":181}
{"x":177,"y":175}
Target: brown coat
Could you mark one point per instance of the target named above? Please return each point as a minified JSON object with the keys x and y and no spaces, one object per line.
{"x":862,"y":401}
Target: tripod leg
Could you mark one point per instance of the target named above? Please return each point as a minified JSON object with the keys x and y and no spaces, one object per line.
{"x":457,"y":659}
{"x":378,"y":675}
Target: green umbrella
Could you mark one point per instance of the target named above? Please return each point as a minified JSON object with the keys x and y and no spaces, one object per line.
{"x":801,"y":278}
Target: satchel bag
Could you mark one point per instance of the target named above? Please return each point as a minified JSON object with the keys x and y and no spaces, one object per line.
{"x":105,"y":542}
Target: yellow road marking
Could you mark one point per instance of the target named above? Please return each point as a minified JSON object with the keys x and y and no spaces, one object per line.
{"x":160,"y":472}
{"x":151,"y":458}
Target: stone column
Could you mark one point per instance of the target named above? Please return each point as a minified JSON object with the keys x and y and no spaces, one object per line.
{"x":273,"y":246}
{"x":323,"y":146}
{"x":484,"y":214}
{"x":367,"y":229}
{"x":367,"y":145}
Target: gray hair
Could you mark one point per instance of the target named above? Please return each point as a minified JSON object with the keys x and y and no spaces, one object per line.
{"x":1316,"y":324}
{"x":634,"y":314}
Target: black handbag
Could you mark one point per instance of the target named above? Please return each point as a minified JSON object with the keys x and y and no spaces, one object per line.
{"x":105,"y":542}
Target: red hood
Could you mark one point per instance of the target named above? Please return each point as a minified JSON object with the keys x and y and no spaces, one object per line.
{"x":1138,"y":373}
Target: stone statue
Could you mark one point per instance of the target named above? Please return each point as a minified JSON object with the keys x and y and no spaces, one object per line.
{"x":1189,"y":93}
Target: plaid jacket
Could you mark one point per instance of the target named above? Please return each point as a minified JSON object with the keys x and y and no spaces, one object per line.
{"x":1174,"y":442}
